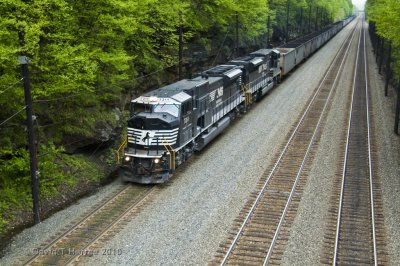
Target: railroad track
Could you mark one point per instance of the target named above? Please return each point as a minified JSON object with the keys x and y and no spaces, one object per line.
{"x":356,"y":235}
{"x":86,"y":236}
{"x":261,"y":231}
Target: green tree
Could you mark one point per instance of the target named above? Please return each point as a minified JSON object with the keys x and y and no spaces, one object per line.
{"x":386,"y":16}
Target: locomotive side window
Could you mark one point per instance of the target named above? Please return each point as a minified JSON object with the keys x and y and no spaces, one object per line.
{"x":140,"y":108}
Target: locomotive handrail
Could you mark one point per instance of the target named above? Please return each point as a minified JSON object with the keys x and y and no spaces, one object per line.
{"x":247,"y":95}
{"x":120,"y":150}
{"x":168,"y":146}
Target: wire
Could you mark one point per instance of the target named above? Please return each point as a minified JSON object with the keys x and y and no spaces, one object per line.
{"x":1,"y":92}
{"x":63,"y":145}
{"x":220,"y":48}
{"x":57,"y":99}
{"x":78,"y":93}
{"x":157,"y":71}
{"x":98,"y":147}
{"x":50,"y":125}
{"x":5,"y":121}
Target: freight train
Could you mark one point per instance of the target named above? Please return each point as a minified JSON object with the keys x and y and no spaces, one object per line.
{"x":169,"y":124}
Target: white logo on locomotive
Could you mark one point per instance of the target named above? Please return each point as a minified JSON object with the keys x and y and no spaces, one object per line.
{"x":146,"y":137}
{"x":263,"y":67}
{"x":219,"y":92}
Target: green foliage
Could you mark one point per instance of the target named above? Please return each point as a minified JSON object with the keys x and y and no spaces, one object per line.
{"x":57,"y":171}
{"x":291,"y":18}
{"x":386,"y":15}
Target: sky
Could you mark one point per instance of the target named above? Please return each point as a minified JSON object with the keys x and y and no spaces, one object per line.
{"x":359,"y":4}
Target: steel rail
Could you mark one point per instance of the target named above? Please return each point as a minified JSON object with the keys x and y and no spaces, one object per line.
{"x":369,"y":154}
{"x":111,"y":225}
{"x":249,"y":215}
{"x":317,"y":127}
{"x":337,"y":235}
{"x":80,"y":222}
{"x":76,"y":225}
{"x":345,"y":160}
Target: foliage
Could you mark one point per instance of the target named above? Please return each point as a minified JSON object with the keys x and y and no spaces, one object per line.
{"x":57,"y":171}
{"x":386,"y":15}
{"x":294,"y":18}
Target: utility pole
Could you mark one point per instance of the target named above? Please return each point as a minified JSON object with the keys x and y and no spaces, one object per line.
{"x":23,"y":60}
{"x":180,"y":45}
{"x":321,"y":22}
{"x":321,"y":19}
{"x":378,"y":47}
{"x":388,"y":59}
{"x":382,"y":55}
{"x":268,"y":21}
{"x":301,"y":21}
{"x":397,"y":114}
{"x":287,"y":20}
{"x":237,"y":34}
{"x":309,"y":19}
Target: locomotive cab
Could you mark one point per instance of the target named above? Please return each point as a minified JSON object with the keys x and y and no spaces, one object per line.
{"x":156,"y":129}
{"x":273,"y":56}
{"x":167,"y":125}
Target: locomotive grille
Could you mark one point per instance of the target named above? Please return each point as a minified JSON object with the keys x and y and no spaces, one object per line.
{"x":152,"y":137}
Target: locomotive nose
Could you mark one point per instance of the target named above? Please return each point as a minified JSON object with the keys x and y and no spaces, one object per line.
{"x":137,"y":122}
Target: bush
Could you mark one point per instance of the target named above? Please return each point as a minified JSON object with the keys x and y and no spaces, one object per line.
{"x":57,"y":170}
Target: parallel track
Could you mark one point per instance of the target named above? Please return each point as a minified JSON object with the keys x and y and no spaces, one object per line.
{"x":83,"y":238}
{"x":355,"y":240}
{"x":275,"y":205}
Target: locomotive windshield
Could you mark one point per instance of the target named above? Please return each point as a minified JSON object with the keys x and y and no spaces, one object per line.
{"x":171,"y":109}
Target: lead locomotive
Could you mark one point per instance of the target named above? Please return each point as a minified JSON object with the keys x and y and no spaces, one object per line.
{"x":168,"y":124}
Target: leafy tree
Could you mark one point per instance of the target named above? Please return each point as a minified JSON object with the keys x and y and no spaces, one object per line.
{"x":386,"y":16}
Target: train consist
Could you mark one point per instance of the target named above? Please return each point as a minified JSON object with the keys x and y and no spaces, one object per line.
{"x":168,"y":124}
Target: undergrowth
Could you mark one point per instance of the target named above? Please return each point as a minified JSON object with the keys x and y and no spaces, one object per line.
{"x":57,"y":171}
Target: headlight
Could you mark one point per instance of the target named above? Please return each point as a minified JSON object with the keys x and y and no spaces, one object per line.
{"x":156,"y":160}
{"x":127,"y":158}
